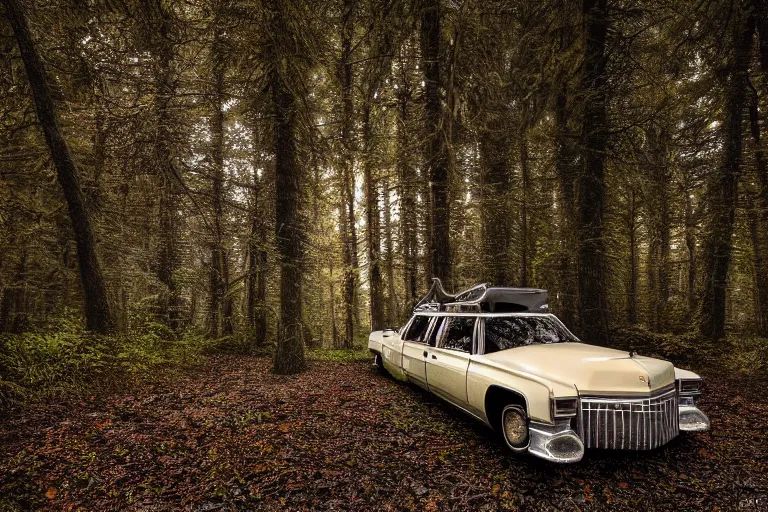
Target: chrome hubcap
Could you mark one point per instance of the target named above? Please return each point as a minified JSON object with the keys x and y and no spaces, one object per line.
{"x":515,"y":428}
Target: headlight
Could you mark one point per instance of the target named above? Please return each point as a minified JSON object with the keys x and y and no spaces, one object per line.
{"x":689,"y":387}
{"x":564,"y":407}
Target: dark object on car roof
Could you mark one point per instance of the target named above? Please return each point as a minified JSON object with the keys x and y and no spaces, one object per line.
{"x":484,"y":298}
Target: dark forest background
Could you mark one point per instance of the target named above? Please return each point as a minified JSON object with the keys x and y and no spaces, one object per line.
{"x":248,"y":174}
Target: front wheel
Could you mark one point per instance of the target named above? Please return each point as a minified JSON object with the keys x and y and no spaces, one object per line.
{"x":514,"y":426}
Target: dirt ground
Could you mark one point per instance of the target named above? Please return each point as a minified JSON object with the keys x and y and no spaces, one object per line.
{"x":233,"y":436}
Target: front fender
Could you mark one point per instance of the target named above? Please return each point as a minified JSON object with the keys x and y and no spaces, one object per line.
{"x":536,"y":391}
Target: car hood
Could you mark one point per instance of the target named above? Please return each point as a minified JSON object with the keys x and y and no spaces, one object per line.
{"x":592,"y":369}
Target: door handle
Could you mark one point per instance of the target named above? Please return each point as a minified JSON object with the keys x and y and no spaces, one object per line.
{"x":434,"y":356}
{"x":425,"y":353}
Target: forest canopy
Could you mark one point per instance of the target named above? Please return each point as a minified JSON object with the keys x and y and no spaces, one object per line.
{"x":293,"y":173}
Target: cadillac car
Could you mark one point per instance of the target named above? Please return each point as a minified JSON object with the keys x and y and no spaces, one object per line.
{"x":498,"y":355}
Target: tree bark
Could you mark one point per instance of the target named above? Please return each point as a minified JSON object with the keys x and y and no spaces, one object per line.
{"x":332,"y":306}
{"x":525,"y":188}
{"x":289,"y":225}
{"x":372,"y":224}
{"x":495,"y":211}
{"x":407,"y":192}
{"x":389,"y":258}
{"x":593,"y":308}
{"x":633,"y":257}
{"x":347,"y":221}
{"x":220,"y":305}
{"x":759,"y":222}
{"x":567,"y":173}
{"x":437,"y":158}
{"x":257,"y":276}
{"x":161,"y":46}
{"x":690,"y":246}
{"x":258,"y":255}
{"x":723,"y":189}
{"x":658,"y":225}
{"x":97,"y":313}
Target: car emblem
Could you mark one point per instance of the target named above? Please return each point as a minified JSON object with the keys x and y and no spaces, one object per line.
{"x":646,"y":379}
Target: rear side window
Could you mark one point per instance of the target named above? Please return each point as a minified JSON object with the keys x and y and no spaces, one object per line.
{"x":509,"y":332}
{"x":418,"y":330}
{"x":456,"y":333}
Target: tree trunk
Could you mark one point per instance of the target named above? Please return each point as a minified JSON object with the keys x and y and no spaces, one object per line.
{"x":632,"y":232}
{"x":289,"y":225}
{"x":437,"y":158}
{"x":389,"y":258}
{"x":258,"y":256}
{"x":759,"y":222}
{"x":332,"y":306}
{"x":690,"y":246}
{"x":408,"y":185}
{"x":97,"y":314}
{"x":525,"y":178}
{"x":659,"y":225}
{"x":495,"y":211}
{"x":372,"y":225}
{"x":723,"y":190}
{"x":257,"y":282}
{"x":347,"y":221}
{"x":566,"y":172}
{"x":593,"y":309}
{"x":220,"y":305}
{"x":169,"y":304}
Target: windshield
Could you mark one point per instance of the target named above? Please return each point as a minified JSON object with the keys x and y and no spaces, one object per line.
{"x":502,"y":333}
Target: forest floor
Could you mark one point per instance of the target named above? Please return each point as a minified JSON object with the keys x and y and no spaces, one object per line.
{"x":230,"y":435}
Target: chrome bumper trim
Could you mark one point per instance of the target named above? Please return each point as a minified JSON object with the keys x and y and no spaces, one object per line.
{"x":692,"y":419}
{"x":556,"y":443}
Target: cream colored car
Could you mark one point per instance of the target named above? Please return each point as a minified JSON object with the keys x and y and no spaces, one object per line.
{"x":491,"y":353}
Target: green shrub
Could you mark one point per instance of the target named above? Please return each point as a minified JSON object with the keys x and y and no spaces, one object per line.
{"x":355,"y":355}
{"x":46,"y":364}
{"x":746,"y":356}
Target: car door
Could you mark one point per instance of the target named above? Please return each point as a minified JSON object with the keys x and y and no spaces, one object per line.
{"x":449,"y":357}
{"x":391,"y":352}
{"x":415,"y":349}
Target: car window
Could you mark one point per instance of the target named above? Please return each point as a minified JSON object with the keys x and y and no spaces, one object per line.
{"x":418,"y":330}
{"x":436,"y":331}
{"x":456,"y":333}
{"x":509,"y":332}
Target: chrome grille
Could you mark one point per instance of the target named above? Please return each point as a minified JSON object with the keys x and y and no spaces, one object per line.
{"x":629,"y":423}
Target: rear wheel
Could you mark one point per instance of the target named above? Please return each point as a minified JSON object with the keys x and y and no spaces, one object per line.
{"x":378,"y":362}
{"x":514,"y":427}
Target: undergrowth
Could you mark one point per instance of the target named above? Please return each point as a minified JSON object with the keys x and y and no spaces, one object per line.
{"x":739,"y":355}
{"x":50,"y":364}
{"x":36,"y":366}
{"x":356,"y":355}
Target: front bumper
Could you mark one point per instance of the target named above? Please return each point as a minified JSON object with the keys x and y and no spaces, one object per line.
{"x":692,"y":419}
{"x":560,"y":443}
{"x":556,"y":443}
